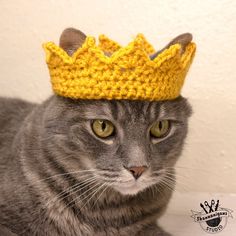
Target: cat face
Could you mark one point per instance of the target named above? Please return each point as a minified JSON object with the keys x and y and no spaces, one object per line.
{"x":129,"y":145}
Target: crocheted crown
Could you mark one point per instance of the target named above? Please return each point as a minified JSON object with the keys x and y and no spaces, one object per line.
{"x":126,"y":73}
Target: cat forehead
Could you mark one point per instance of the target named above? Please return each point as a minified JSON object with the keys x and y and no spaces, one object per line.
{"x":125,"y":109}
{"x":115,"y":108}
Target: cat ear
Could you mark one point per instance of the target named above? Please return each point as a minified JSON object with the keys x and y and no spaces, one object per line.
{"x":183,"y":40}
{"x":71,"y":39}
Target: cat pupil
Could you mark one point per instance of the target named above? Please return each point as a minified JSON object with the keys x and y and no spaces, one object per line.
{"x":160,"y":125}
{"x":103,"y":126}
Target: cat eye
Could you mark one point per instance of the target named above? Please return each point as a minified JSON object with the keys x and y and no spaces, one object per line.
{"x":103,"y":128}
{"x":160,"y":129}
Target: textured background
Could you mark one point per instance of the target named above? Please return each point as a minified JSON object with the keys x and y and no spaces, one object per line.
{"x":209,"y":161}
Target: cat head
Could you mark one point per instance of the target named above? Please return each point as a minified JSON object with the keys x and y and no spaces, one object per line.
{"x":129,"y":144}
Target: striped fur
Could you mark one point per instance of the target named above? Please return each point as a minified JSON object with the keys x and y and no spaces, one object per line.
{"x":57,"y":178}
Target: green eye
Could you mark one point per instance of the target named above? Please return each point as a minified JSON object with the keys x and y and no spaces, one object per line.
{"x":103,"y":128}
{"x":160,"y":128}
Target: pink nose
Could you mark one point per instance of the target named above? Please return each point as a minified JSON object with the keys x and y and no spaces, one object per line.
{"x":137,"y":171}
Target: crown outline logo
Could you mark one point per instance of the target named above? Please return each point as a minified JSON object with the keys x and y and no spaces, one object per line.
{"x":128,"y":73}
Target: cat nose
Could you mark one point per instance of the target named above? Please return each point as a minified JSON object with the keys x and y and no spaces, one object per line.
{"x":137,"y":171}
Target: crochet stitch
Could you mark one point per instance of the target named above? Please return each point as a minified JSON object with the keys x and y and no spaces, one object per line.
{"x":128,"y":73}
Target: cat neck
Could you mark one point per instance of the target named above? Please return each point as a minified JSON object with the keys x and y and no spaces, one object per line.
{"x":114,"y":210}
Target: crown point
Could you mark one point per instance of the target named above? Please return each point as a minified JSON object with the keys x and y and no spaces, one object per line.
{"x":107,"y":45}
{"x":90,"y":41}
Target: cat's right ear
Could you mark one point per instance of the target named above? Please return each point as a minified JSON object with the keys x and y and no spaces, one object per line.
{"x":71,"y":39}
{"x":183,"y":40}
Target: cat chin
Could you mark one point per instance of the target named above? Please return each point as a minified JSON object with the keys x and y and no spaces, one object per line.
{"x":129,"y":190}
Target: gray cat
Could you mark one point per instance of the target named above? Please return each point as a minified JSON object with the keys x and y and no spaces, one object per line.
{"x":88,"y":167}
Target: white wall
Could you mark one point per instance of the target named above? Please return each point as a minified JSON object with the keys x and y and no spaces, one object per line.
{"x":209,"y":159}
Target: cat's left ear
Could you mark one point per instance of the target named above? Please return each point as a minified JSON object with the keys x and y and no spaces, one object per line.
{"x":71,"y":39}
{"x":183,"y":40}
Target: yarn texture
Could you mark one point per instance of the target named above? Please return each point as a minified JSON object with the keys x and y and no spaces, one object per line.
{"x":127,"y":73}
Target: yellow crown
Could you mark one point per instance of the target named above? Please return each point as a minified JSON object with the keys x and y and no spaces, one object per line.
{"x":128,"y":73}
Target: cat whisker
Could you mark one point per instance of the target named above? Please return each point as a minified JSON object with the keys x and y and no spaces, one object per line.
{"x":203,"y":171}
{"x":67,"y":173}
{"x":89,"y":172}
{"x":170,"y":173}
{"x":73,"y":188}
{"x":110,"y":180}
{"x":87,"y":182}
{"x":156,"y":188}
{"x":175,"y":176}
{"x":78,"y":187}
{"x":94,"y":193}
{"x":167,"y":185}
{"x":176,"y":182}
{"x":170,"y":181}
{"x":79,"y":197}
{"x":85,"y":185}
{"x":106,"y":187}
{"x":66,"y":178}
